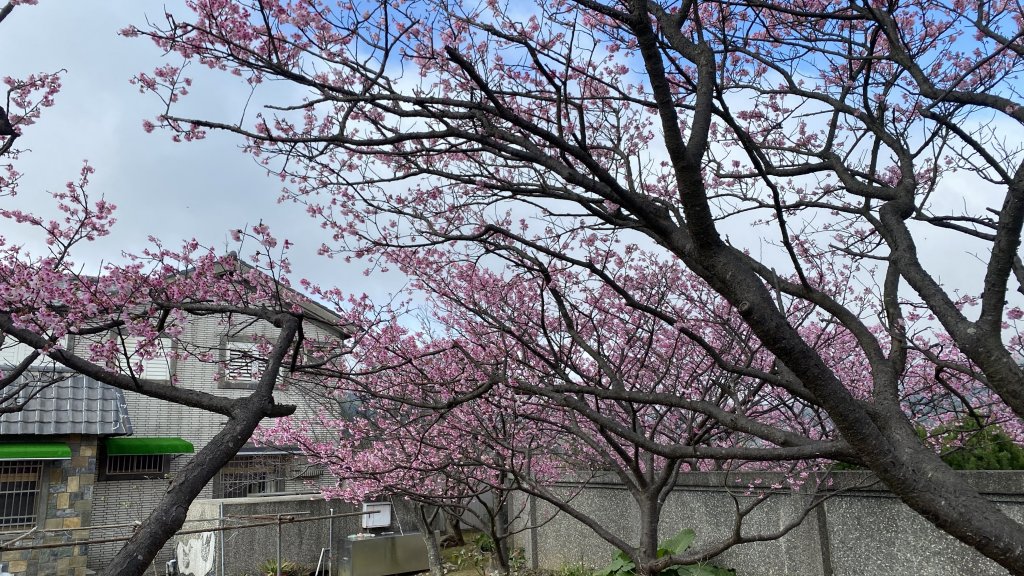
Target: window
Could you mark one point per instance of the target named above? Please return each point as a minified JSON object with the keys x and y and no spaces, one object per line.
{"x":242,"y":363}
{"x":19,"y":493}
{"x":252,"y":475}
{"x":136,"y":467}
{"x":13,"y":352}
{"x":156,"y":367}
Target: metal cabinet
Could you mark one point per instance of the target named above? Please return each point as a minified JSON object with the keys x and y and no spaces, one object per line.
{"x":383,"y":555}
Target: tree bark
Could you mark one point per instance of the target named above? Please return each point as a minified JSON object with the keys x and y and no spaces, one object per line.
{"x":454,"y":525}
{"x":434,"y":558}
{"x":169,"y":515}
{"x":138,"y":553}
{"x":500,"y":553}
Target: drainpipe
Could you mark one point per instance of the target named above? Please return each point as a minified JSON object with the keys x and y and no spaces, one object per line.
{"x":278,"y":545}
{"x":220,"y":521}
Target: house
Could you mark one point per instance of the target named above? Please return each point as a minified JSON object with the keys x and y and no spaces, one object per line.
{"x":86,"y":461}
{"x":48,"y":468}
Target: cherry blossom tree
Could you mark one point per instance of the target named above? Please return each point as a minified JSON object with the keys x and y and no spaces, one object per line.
{"x":125,"y":316}
{"x":766,"y":146}
{"x":534,"y":374}
{"x":402,"y":434}
{"x":118,"y":315}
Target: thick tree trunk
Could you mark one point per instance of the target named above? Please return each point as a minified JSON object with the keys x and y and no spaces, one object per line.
{"x":650,"y":518}
{"x":434,"y":559}
{"x":168,"y":517}
{"x":880,"y":434}
{"x":500,"y":554}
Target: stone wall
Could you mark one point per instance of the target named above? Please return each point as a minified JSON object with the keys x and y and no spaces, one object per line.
{"x":861,"y":528}
{"x":67,"y":487}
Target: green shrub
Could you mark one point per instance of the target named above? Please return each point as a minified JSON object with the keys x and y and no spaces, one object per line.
{"x":478,"y":554}
{"x":269,"y":568}
{"x":622,"y":565}
{"x":573,"y":569}
{"x":988,"y":449}
{"x":484,"y":543}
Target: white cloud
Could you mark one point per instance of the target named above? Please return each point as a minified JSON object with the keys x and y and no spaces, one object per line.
{"x":171,"y":191}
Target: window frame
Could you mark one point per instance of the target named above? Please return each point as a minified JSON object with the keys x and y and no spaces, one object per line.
{"x":104,"y":474}
{"x":14,"y":348}
{"x":276,"y":465}
{"x":38,"y":495}
{"x":130,"y":343}
{"x":248,"y":346}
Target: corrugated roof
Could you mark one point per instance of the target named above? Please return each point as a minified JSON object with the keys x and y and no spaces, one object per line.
{"x":75,"y":405}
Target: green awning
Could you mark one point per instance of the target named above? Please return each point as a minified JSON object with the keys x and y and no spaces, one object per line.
{"x":152,"y":445}
{"x":34,"y":451}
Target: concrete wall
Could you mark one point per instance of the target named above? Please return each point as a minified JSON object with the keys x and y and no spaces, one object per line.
{"x":240,"y":552}
{"x":861,"y":529}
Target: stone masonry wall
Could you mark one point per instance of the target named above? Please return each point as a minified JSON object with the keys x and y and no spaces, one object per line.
{"x":67,"y":487}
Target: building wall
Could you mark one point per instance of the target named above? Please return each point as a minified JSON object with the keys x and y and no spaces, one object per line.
{"x":861,"y":528}
{"x":152,"y":417}
{"x":126,"y":501}
{"x":67,"y":488}
{"x":116,"y":504}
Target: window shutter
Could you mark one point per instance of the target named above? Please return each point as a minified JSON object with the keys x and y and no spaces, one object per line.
{"x":156,"y":368}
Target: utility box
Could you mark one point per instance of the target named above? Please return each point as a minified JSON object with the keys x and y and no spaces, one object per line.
{"x":365,"y":555}
{"x":381,"y":517}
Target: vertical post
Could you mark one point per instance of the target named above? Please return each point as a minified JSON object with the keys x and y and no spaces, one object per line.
{"x":220,"y":538}
{"x":330,"y":544}
{"x":278,"y":545}
{"x":532,"y":531}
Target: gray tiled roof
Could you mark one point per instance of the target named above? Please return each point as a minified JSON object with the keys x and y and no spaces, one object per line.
{"x":75,"y":405}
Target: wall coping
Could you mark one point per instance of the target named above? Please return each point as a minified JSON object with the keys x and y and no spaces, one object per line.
{"x":988,"y":482}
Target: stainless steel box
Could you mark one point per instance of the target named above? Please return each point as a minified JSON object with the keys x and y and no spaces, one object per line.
{"x":383,"y":555}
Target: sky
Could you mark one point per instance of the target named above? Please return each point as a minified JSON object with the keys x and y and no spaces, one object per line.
{"x":205,"y":189}
{"x":171,"y":191}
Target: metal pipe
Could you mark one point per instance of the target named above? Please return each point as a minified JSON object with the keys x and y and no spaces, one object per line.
{"x":330,"y":543}
{"x":319,"y":561}
{"x":220,"y":521}
{"x":278,"y":545}
{"x":287,"y":520}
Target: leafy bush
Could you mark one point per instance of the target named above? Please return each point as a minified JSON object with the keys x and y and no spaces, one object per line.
{"x":573,"y":569}
{"x":478,"y":555}
{"x":988,"y":448}
{"x":622,"y":565}
{"x":269,"y":568}
{"x":484,"y":542}
{"x":470,"y":557}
